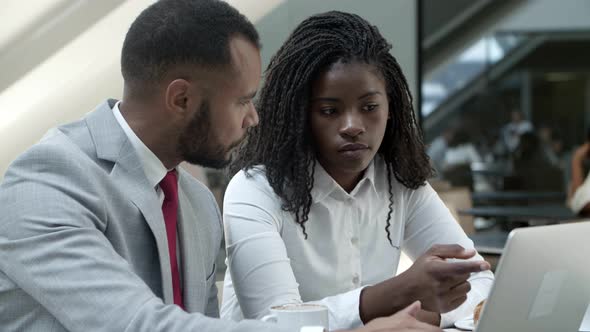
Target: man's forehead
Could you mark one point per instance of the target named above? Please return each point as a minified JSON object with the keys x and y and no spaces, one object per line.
{"x":243,"y":53}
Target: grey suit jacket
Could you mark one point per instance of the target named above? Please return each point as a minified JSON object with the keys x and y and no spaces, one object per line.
{"x":83,"y":244}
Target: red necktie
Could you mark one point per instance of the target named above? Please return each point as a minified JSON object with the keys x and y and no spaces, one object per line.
{"x":169,"y":186}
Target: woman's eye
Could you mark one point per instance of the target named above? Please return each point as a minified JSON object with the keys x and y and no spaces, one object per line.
{"x":370,"y":107}
{"x":328,"y":111}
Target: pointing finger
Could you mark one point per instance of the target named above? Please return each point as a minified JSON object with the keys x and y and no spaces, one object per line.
{"x":464,"y":267}
{"x":445,"y":251}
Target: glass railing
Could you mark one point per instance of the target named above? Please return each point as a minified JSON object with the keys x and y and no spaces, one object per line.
{"x":464,"y":68}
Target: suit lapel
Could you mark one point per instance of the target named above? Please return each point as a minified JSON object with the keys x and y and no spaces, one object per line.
{"x":112,"y":144}
{"x":192,"y":252}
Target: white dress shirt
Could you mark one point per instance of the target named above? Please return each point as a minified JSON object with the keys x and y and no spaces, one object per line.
{"x":153,"y":167}
{"x":271,"y":263}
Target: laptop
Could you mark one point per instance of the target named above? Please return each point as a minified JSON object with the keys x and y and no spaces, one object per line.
{"x":542,"y":281}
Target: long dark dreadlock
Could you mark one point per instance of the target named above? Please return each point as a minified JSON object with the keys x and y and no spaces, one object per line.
{"x":282,"y":141}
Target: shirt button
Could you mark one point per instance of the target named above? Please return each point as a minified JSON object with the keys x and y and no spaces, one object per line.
{"x":354,"y":240}
{"x":355,"y":280}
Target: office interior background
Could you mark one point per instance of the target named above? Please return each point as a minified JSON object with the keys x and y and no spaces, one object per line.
{"x":472,"y":66}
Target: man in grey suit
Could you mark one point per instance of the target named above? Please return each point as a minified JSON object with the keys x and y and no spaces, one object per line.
{"x":100,"y":230}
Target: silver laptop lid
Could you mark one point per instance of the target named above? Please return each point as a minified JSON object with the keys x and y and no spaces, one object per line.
{"x":542,"y":281}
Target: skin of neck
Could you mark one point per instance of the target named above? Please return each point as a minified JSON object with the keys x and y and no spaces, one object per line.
{"x":150,"y":121}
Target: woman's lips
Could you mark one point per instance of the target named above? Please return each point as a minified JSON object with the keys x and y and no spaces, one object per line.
{"x":353,"y":150}
{"x":352,"y":147}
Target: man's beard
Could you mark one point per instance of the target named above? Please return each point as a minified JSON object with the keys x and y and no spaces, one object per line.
{"x":198,"y":144}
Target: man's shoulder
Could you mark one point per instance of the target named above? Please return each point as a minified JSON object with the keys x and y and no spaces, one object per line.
{"x":66,"y":150}
{"x":78,"y":138}
{"x":53,"y":145}
{"x":71,"y":141}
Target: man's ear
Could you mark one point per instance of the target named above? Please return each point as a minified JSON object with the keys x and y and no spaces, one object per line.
{"x":182,"y":97}
{"x":176,"y":96}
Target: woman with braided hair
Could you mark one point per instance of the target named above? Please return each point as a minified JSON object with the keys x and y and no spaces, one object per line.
{"x":331,"y":186}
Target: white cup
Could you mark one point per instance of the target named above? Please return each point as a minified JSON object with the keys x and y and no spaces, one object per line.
{"x":297,"y":315}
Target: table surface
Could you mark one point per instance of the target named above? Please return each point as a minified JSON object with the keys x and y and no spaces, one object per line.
{"x":524,"y":196}
{"x":545,"y":212}
{"x":489,"y":242}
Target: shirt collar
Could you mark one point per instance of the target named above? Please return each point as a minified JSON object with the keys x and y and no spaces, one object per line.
{"x":152,"y":166}
{"x":324,"y":184}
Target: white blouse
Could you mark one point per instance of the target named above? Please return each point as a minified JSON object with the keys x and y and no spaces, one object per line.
{"x":271,"y":263}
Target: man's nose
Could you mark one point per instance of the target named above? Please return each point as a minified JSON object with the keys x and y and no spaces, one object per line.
{"x":251,"y":119}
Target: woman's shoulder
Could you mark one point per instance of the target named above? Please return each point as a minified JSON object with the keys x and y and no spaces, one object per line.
{"x":249,"y":195}
{"x":249,"y":183}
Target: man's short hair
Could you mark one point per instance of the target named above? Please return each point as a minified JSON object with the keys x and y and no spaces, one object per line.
{"x":172,"y":33}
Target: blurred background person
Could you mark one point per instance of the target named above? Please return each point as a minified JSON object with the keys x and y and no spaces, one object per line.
{"x":579,"y":190}
{"x":458,"y":160}
{"x":532,"y":170}
{"x":512,"y":131}
{"x":437,"y":150}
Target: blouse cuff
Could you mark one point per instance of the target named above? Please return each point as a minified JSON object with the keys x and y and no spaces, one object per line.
{"x":344,"y":309}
